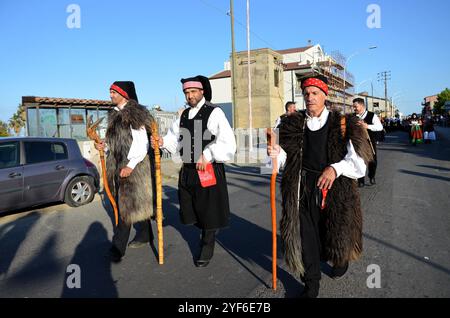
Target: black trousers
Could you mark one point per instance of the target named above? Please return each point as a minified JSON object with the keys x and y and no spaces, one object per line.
{"x":121,"y":235}
{"x":207,"y":208}
{"x":311,"y":226}
{"x":372,"y":168}
{"x":207,"y":244}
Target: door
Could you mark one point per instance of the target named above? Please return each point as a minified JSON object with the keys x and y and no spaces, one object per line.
{"x":45,"y":170}
{"x":11,"y":176}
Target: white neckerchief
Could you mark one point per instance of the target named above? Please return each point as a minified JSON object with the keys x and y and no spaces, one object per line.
{"x":194,"y":110}
{"x":316,"y":123}
{"x":116,"y":108}
{"x":364,"y":115}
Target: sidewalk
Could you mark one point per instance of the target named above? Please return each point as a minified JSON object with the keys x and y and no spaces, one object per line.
{"x":170,"y":171}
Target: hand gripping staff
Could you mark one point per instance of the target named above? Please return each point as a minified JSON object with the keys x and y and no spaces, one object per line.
{"x":271,"y":139}
{"x":92,"y":134}
{"x":159,"y":213}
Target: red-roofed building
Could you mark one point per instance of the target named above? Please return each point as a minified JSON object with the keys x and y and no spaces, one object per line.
{"x":297,"y":64}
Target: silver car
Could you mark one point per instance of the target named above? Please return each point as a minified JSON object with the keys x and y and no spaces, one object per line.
{"x":35,"y":171}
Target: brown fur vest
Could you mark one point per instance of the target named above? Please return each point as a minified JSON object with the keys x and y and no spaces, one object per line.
{"x":134,"y":194}
{"x":343,"y":216}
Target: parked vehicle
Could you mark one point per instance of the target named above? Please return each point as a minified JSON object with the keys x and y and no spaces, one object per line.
{"x":35,"y":170}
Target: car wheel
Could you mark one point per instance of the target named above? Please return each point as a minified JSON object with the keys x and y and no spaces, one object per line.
{"x":79,"y":191}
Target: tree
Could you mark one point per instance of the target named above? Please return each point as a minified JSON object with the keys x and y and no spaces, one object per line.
{"x":3,"y":129}
{"x":17,"y":121}
{"x":443,"y":97}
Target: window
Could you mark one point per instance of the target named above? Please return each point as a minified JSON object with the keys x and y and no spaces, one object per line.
{"x":47,"y":124}
{"x":276,"y":78}
{"x":103,"y":124}
{"x":32,"y":122}
{"x":41,"y":151}
{"x":9,"y":155}
{"x":64,"y":123}
{"x":78,"y":124}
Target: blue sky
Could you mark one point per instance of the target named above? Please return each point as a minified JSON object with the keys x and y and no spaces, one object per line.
{"x":155,"y":43}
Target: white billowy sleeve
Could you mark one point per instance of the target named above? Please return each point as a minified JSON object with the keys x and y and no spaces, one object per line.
{"x":170,"y":141}
{"x":376,"y":126}
{"x":223,"y":148}
{"x":352,"y":166}
{"x":281,"y":160}
{"x":139,"y":147}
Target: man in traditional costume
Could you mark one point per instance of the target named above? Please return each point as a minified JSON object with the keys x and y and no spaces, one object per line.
{"x":203,"y":136}
{"x":372,"y":123}
{"x":128,"y":167}
{"x":290,"y":107}
{"x":324,"y":153}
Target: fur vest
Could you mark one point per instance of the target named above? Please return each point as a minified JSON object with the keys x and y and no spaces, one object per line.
{"x":134,"y":194}
{"x":343,"y":216}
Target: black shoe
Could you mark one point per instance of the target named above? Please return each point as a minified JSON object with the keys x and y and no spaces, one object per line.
{"x":339,"y":272}
{"x":201,"y":263}
{"x":137,"y":244}
{"x":361,"y":184}
{"x":372,"y":181}
{"x":207,"y":243}
{"x":311,"y":290}
{"x":114,"y":255}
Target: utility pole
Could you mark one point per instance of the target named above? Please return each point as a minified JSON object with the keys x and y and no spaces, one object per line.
{"x":385,"y":77}
{"x":250,"y":118}
{"x":292,"y":86}
{"x":233,"y":66}
{"x":371,"y":85}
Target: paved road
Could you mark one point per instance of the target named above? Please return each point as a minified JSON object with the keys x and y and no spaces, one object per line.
{"x":406,"y":233}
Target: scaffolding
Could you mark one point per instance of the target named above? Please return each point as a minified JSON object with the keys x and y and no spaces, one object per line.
{"x":333,"y":69}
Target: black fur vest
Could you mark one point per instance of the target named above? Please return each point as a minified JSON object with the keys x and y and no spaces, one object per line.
{"x":343,"y":216}
{"x":133,"y":194}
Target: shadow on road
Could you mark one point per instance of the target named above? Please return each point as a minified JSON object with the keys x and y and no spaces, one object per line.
{"x":435,"y":168}
{"x":95,"y":269}
{"x":412,"y":255}
{"x":243,"y":240}
{"x":424,"y":175}
{"x":12,"y":236}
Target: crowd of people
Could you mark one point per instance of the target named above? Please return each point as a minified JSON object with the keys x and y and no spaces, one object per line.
{"x":419,"y":128}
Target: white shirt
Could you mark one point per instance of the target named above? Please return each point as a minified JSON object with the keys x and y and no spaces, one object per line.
{"x":223,"y":147}
{"x":277,"y":122}
{"x":139,"y":146}
{"x":376,"y":123}
{"x":352,"y":166}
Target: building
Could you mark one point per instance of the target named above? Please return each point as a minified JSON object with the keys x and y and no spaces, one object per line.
{"x":267,"y":87}
{"x":378,"y":105}
{"x":67,"y":117}
{"x":296,"y":64}
{"x":63,"y":117}
{"x":428,"y":105}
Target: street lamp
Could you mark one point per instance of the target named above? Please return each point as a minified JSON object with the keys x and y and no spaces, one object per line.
{"x":371,"y":84}
{"x":345,"y":72}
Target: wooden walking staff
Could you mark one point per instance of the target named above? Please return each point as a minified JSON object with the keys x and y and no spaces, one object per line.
{"x":273,"y":182}
{"x":159,"y":214}
{"x":92,"y":134}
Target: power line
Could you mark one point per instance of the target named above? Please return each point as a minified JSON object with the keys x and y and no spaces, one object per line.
{"x":244,"y":26}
